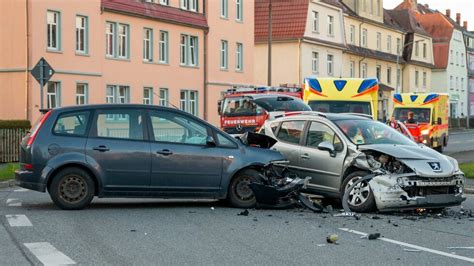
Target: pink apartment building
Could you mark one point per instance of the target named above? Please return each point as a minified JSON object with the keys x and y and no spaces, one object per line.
{"x":181,"y":53}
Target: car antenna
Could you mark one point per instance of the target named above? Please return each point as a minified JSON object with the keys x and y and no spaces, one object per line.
{"x":168,"y":102}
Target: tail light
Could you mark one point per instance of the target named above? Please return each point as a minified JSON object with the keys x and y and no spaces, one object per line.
{"x":36,"y":129}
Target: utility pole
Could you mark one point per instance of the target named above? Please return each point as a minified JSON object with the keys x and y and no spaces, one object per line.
{"x":269,"y":77}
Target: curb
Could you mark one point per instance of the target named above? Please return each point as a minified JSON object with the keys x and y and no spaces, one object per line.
{"x":8,"y":183}
{"x":468,"y":190}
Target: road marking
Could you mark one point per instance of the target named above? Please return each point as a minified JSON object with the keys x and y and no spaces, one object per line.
{"x":18,"y":220}
{"x":411,"y":246}
{"x":21,"y":190}
{"x":47,"y":254}
{"x":14,"y":202}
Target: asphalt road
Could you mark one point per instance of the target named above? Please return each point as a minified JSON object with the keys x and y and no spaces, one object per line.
{"x":124,"y":232}
{"x":460,"y":142}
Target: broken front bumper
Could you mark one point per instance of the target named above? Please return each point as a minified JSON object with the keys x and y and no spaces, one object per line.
{"x":407,"y":191}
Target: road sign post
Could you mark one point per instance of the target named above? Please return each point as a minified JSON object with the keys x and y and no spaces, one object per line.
{"x":42,"y":72}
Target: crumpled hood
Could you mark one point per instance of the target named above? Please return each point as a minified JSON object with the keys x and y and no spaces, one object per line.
{"x":423,"y":160}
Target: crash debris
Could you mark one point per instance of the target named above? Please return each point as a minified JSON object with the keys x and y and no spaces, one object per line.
{"x":332,"y":239}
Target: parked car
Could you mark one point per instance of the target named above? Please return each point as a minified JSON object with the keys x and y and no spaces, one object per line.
{"x":76,"y":153}
{"x":336,"y":150}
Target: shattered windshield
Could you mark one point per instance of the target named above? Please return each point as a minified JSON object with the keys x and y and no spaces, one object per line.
{"x":364,"y":132}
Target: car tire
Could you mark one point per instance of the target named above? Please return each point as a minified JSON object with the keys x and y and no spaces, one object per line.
{"x":240,"y":195}
{"x":72,"y":189}
{"x":363,"y":199}
{"x":440,"y":148}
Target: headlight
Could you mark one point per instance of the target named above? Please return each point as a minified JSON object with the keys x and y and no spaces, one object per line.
{"x":425,"y":132}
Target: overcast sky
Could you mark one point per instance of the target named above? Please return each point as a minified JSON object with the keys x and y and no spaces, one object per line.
{"x":465,"y":7}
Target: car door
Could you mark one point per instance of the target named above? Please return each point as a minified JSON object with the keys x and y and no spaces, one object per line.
{"x":181,"y":160}
{"x":289,"y":136}
{"x":323,"y":167}
{"x":119,"y":149}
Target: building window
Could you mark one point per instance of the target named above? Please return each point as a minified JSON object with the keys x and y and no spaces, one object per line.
{"x":371,"y":2}
{"x":81,"y":93}
{"x":417,"y":49}
{"x":147,"y":45}
{"x":399,"y":45}
{"x":224,"y":56}
{"x":389,"y":43}
{"x":379,"y":41}
{"x":81,"y":34}
{"x":389,"y":75}
{"x":451,"y":84}
{"x":364,"y":5}
{"x":424,"y":50}
{"x":315,"y":62}
{"x":163,"y":47}
{"x":451,"y":57}
{"x":416,"y":78}
{"x":189,"y":101}
{"x":457,"y":58}
{"x":110,"y":39}
{"x":54,"y":30}
{"x":462,"y":84}
{"x":352,"y":34}
{"x":364,"y":37}
{"x":378,"y":72}
{"x":123,"y":40}
{"x":239,"y":57}
{"x":189,"y":50}
{"x":315,"y":21}
{"x":239,"y":16}
{"x":164,"y":2}
{"x":352,"y":69}
{"x":164,"y":98}
{"x":462,"y":59}
{"x":53,"y":95}
{"x":364,"y":70}
{"x":457,"y":83}
{"x":424,"y":79}
{"x":330,"y":64}
{"x":147,"y":95}
{"x":398,"y":77}
{"x":190,"y":5}
{"x":117,"y":94}
{"x":224,"y":9}
{"x":330,"y":25}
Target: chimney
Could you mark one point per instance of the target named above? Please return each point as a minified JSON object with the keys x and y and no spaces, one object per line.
{"x":465,"y":25}
{"x":458,"y":18}
{"x":448,"y":13}
{"x":427,"y":6}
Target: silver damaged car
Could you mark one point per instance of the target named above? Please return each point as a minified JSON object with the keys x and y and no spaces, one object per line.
{"x":336,"y":150}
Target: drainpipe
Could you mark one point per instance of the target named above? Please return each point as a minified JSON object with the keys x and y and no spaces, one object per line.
{"x":27,"y":60}
{"x":299,"y":61}
{"x":205,"y":64}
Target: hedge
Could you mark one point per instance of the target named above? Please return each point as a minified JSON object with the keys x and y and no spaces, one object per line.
{"x":7,"y":124}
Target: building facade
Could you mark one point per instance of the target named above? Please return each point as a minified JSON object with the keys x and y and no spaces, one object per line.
{"x":122,"y":51}
{"x":307,"y":40}
{"x":469,"y":40}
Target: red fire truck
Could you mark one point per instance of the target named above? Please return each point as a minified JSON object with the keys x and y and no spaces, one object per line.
{"x":246,"y":109}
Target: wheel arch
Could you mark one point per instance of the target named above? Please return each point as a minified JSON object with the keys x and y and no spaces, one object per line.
{"x":56,"y":170}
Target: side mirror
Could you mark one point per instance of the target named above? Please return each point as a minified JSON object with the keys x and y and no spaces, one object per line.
{"x":210,"y":141}
{"x":219,"y":106}
{"x":439,"y":121}
{"x":327,"y":146}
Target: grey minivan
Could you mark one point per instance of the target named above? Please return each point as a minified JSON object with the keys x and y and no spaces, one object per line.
{"x":125,"y":150}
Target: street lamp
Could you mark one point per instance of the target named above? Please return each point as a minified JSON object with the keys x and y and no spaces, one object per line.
{"x":399,"y":74}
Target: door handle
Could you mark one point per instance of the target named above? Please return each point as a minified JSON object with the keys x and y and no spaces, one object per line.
{"x":305,"y":156}
{"x":164,"y":152}
{"x":101,"y":148}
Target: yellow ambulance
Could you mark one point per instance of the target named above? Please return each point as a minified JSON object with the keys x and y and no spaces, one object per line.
{"x":343,"y":95}
{"x":429,"y":116}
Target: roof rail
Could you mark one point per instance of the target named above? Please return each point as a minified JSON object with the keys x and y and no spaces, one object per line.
{"x":301,"y":113}
{"x":359,"y":114}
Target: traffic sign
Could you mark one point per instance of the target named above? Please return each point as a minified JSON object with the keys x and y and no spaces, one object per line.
{"x":42,"y":72}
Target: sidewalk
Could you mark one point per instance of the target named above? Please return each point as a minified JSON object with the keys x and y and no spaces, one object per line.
{"x":469,"y":186}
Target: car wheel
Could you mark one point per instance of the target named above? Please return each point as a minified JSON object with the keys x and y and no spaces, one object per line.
{"x":361,"y":198}
{"x":440,"y":148}
{"x":72,"y":189}
{"x":240,"y":194}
